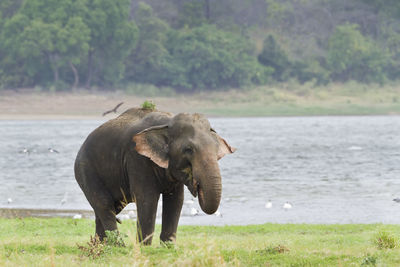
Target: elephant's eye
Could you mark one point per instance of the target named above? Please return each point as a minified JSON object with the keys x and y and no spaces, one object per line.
{"x":188,"y":150}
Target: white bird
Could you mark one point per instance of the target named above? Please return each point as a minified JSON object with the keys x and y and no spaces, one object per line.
{"x":25,"y":150}
{"x":64,"y":200}
{"x":131,"y":214}
{"x":243,"y":199}
{"x":189,"y":202}
{"x":51,"y":150}
{"x":9,"y":200}
{"x":355,"y":148}
{"x":287,"y":206}
{"x":218,"y":213}
{"x":77,"y":216}
{"x":268,"y":205}
{"x":194,"y":212}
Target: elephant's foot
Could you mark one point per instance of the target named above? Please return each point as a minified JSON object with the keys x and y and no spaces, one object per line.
{"x":168,"y":238}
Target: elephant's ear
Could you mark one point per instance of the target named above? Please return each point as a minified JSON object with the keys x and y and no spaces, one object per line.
{"x":153,"y":143}
{"x":223,"y":147}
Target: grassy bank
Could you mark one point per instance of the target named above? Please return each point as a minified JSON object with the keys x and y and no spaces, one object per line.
{"x":293,"y":99}
{"x":55,"y":242}
{"x":289,"y":99}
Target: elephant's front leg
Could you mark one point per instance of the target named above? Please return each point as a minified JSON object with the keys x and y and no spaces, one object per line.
{"x":172,"y":206}
{"x":147,"y":211}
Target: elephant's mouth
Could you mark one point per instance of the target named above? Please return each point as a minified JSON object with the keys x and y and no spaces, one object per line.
{"x":191,"y":183}
{"x":194,"y":187}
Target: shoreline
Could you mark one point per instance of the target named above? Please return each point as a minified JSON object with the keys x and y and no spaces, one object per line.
{"x":42,"y":213}
{"x":11,"y":213}
{"x":39,"y":117}
{"x":256,"y":102}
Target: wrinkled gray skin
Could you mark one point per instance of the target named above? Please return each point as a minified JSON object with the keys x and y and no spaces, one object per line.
{"x":142,"y":154}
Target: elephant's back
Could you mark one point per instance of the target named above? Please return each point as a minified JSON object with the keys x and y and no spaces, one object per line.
{"x":102,"y":153}
{"x":117,"y":132}
{"x":132,"y":117}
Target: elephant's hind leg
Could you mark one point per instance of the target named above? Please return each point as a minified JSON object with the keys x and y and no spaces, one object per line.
{"x":99,"y":228}
{"x":105,"y":221}
{"x":103,"y":205}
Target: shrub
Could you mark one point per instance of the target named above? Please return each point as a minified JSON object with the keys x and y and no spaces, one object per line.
{"x":275,"y":57}
{"x":354,"y":56}
{"x":208,"y":58}
{"x":384,"y":240}
{"x":148,"y":104}
{"x":369,"y":260}
{"x":94,"y":248}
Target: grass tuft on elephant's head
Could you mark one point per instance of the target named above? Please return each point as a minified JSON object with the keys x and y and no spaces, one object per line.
{"x":149,"y":104}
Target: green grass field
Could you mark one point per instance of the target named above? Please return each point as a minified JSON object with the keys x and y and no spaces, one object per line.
{"x":55,"y":241}
{"x":304,"y":100}
{"x":287,"y":99}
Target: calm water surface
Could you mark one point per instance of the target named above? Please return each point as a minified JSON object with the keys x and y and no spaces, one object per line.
{"x":332,"y":169}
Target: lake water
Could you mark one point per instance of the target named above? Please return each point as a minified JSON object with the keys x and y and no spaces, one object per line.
{"x":331,"y":169}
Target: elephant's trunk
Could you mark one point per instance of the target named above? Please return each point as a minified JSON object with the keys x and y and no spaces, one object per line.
{"x":209,"y":186}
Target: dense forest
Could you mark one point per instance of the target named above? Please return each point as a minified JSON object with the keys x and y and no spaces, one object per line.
{"x":196,"y":44}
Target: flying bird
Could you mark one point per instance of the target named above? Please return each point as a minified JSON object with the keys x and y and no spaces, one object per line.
{"x":113,"y":110}
{"x":396,"y":200}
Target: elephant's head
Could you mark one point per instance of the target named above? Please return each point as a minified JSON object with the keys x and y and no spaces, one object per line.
{"x":189,"y":149}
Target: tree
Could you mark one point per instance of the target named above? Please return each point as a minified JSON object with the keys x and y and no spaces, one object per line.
{"x":353,"y":56}
{"x":275,"y":57}
{"x":212,"y":59}
{"x":112,"y":38}
{"x":9,"y":7}
{"x":193,"y":13}
{"x":49,"y":31}
{"x":150,"y":61}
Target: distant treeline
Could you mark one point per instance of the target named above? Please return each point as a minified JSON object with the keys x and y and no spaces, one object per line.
{"x":196,"y":44}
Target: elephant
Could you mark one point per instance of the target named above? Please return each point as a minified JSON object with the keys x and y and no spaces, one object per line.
{"x":142,"y":154}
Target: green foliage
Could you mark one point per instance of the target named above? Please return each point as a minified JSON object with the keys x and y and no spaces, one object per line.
{"x":148,"y":104}
{"x":279,"y":249}
{"x":112,"y":38}
{"x":309,"y":70}
{"x":196,"y":45}
{"x":150,"y":61}
{"x":275,"y":57}
{"x":115,"y":238}
{"x":192,"y":14}
{"x":272,"y":55}
{"x":148,"y":90}
{"x":46,"y":34}
{"x":55,"y":36}
{"x":94,"y":248}
{"x":208,"y":58}
{"x":385,"y":240}
{"x":369,"y":260}
{"x":351,"y":56}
